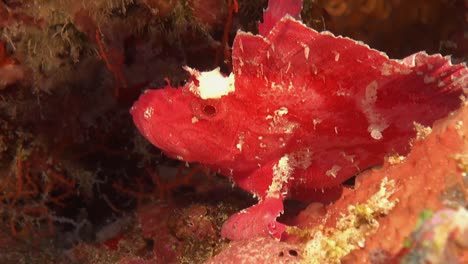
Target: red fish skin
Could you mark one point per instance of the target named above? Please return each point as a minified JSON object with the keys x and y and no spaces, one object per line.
{"x":309,"y":111}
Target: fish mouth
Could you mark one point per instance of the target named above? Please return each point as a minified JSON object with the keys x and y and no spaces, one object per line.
{"x":153,"y":111}
{"x":141,"y":114}
{"x":158,"y":120}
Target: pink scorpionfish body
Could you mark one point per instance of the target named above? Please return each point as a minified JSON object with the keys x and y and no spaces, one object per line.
{"x":301,"y":111}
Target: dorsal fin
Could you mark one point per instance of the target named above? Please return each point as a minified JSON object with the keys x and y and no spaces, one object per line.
{"x":276,"y":10}
{"x":293,"y":54}
{"x":335,"y":75}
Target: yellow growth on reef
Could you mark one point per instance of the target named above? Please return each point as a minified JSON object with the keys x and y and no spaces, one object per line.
{"x":421,"y":131}
{"x":395,"y":159}
{"x":329,"y":245}
{"x":462,"y":163}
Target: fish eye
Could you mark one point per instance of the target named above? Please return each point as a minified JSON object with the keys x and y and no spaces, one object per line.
{"x":209,"y":110}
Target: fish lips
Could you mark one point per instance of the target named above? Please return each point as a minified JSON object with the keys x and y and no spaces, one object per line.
{"x":154,"y":113}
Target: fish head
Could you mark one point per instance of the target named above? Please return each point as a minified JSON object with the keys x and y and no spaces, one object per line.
{"x":197,"y":122}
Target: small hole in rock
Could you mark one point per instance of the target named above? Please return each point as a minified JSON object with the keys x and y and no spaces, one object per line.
{"x":281,"y":254}
{"x":293,"y":252}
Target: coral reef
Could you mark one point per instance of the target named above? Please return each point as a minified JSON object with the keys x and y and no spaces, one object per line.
{"x":258,"y":250}
{"x":440,"y":237}
{"x":78,"y":184}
